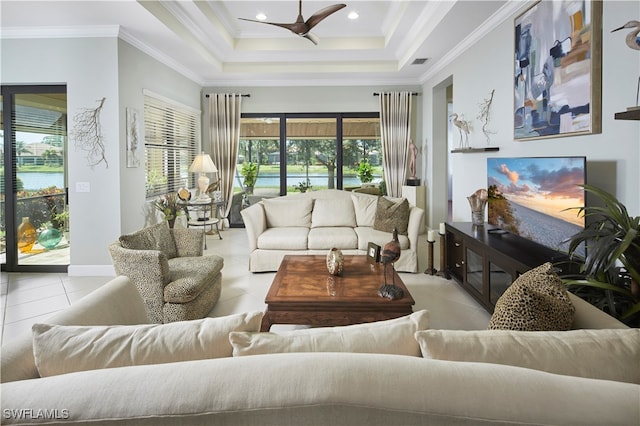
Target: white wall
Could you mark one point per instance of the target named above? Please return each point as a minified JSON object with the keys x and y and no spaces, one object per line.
{"x":138,"y":71}
{"x":89,"y":68}
{"x":94,"y":68}
{"x":612,"y":156}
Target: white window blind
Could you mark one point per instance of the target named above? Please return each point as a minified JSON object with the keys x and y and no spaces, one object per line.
{"x":172,"y":139}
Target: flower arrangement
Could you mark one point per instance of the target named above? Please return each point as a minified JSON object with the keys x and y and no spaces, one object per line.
{"x":169,"y":206}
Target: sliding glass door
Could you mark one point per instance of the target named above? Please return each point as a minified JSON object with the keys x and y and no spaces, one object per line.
{"x":35,"y":212}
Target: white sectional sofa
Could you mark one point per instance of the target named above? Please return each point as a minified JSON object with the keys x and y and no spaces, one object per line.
{"x":206,"y":385}
{"x":316,"y":221}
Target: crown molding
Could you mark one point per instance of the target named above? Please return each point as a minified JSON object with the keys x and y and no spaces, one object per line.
{"x":61,"y":32}
{"x":501,"y":15}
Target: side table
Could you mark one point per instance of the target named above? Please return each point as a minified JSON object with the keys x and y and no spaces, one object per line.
{"x":204,"y":215}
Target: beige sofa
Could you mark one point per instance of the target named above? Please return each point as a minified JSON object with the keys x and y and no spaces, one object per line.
{"x":316,"y":221}
{"x":306,"y":388}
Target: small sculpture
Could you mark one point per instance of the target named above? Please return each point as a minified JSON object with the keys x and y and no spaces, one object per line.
{"x":335,"y":261}
{"x":390,"y":253}
{"x":632,"y":39}
{"x":463,"y":127}
{"x":485,"y":116}
{"x":413,"y":152}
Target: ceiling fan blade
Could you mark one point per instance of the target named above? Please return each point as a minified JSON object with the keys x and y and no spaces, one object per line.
{"x":321,"y":14}
{"x":290,"y":27}
{"x":313,"y":38}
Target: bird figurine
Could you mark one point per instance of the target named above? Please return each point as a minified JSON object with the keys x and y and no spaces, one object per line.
{"x":390,"y":253}
{"x":463,"y":127}
{"x":632,"y":39}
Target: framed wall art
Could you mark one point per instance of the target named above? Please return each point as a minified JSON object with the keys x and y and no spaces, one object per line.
{"x":558,"y":70}
{"x":133,"y":138}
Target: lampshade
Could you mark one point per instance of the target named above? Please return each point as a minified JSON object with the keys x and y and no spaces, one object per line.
{"x":203,"y":164}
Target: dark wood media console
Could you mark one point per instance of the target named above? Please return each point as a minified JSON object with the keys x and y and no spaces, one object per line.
{"x":485,"y":263}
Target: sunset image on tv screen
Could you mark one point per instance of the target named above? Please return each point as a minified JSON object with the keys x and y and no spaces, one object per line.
{"x":533,"y":197}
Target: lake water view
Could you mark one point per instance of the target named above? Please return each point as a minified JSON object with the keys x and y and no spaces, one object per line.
{"x":38,"y":180}
{"x":317,"y":181}
{"x":33,"y":181}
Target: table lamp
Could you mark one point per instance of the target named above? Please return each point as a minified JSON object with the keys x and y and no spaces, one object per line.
{"x":203,"y":164}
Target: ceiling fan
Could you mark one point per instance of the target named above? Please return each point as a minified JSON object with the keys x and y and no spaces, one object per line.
{"x":302,"y":27}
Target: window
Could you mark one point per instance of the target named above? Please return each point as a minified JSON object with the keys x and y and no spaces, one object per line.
{"x":172,"y":138}
{"x":322,"y":150}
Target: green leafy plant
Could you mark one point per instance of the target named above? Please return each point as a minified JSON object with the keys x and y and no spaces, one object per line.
{"x":59,"y":220}
{"x":303,"y":186}
{"x":612,"y":238}
{"x":365,"y":171}
{"x":250,"y":174}
{"x":169,"y":205}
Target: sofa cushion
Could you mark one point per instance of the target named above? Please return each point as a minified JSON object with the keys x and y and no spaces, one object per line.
{"x":190,"y":276}
{"x":395,"y":336}
{"x":288,"y":211}
{"x":154,"y":237}
{"x":327,"y":238}
{"x":292,"y":238}
{"x":368,"y":235}
{"x":392,"y":214}
{"x":597,"y":354}
{"x":365,"y":208}
{"x":333,"y":212}
{"x":60,"y":349}
{"x":536,"y":301}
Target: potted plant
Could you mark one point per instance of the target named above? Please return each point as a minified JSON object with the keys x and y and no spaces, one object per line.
{"x":365,"y":171}
{"x":250,"y":173}
{"x":610,"y":276}
{"x":169,"y":205}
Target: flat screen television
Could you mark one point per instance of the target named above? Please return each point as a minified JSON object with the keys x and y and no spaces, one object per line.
{"x":528,"y":196}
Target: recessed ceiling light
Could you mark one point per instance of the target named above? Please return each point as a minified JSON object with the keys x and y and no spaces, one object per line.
{"x":261,"y":16}
{"x":353,"y":15}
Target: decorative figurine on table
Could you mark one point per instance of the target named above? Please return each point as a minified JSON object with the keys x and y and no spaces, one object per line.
{"x":390,"y":253}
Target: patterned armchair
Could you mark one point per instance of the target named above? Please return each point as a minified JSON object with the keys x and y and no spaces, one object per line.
{"x":167,"y":266}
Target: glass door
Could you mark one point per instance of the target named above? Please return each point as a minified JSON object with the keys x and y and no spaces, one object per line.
{"x":35,"y":211}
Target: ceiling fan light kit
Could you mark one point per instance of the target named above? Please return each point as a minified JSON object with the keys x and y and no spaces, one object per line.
{"x":301,"y":27}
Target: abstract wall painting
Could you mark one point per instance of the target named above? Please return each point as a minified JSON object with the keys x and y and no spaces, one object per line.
{"x":558,"y":69}
{"x":133,"y":138}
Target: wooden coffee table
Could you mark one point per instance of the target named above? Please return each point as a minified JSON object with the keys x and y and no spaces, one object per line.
{"x":304,"y":293}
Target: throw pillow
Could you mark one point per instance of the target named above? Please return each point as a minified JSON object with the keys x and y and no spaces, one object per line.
{"x":396,"y":336}
{"x":60,"y":349}
{"x":365,"y":208}
{"x":536,"y":301}
{"x":154,"y":237}
{"x":333,"y":212}
{"x":390,"y":214}
{"x":293,"y":211}
{"x":597,"y":354}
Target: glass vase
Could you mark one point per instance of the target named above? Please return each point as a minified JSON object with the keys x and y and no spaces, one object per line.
{"x":49,"y":238}
{"x":26,"y":236}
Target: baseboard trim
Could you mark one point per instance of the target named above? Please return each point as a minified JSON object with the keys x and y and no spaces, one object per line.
{"x":91,"y":271}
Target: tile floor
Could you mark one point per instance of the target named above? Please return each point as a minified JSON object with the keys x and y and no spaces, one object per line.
{"x":29,"y":298}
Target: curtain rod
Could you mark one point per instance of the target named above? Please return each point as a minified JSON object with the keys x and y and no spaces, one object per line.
{"x":244,"y":96}
{"x":412,"y":94}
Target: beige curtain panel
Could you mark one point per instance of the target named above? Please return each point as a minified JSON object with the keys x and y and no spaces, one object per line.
{"x":395,"y":131}
{"x":224,"y":126}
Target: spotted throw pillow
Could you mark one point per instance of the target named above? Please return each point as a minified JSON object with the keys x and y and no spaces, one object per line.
{"x":390,"y":214}
{"x":536,"y":301}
